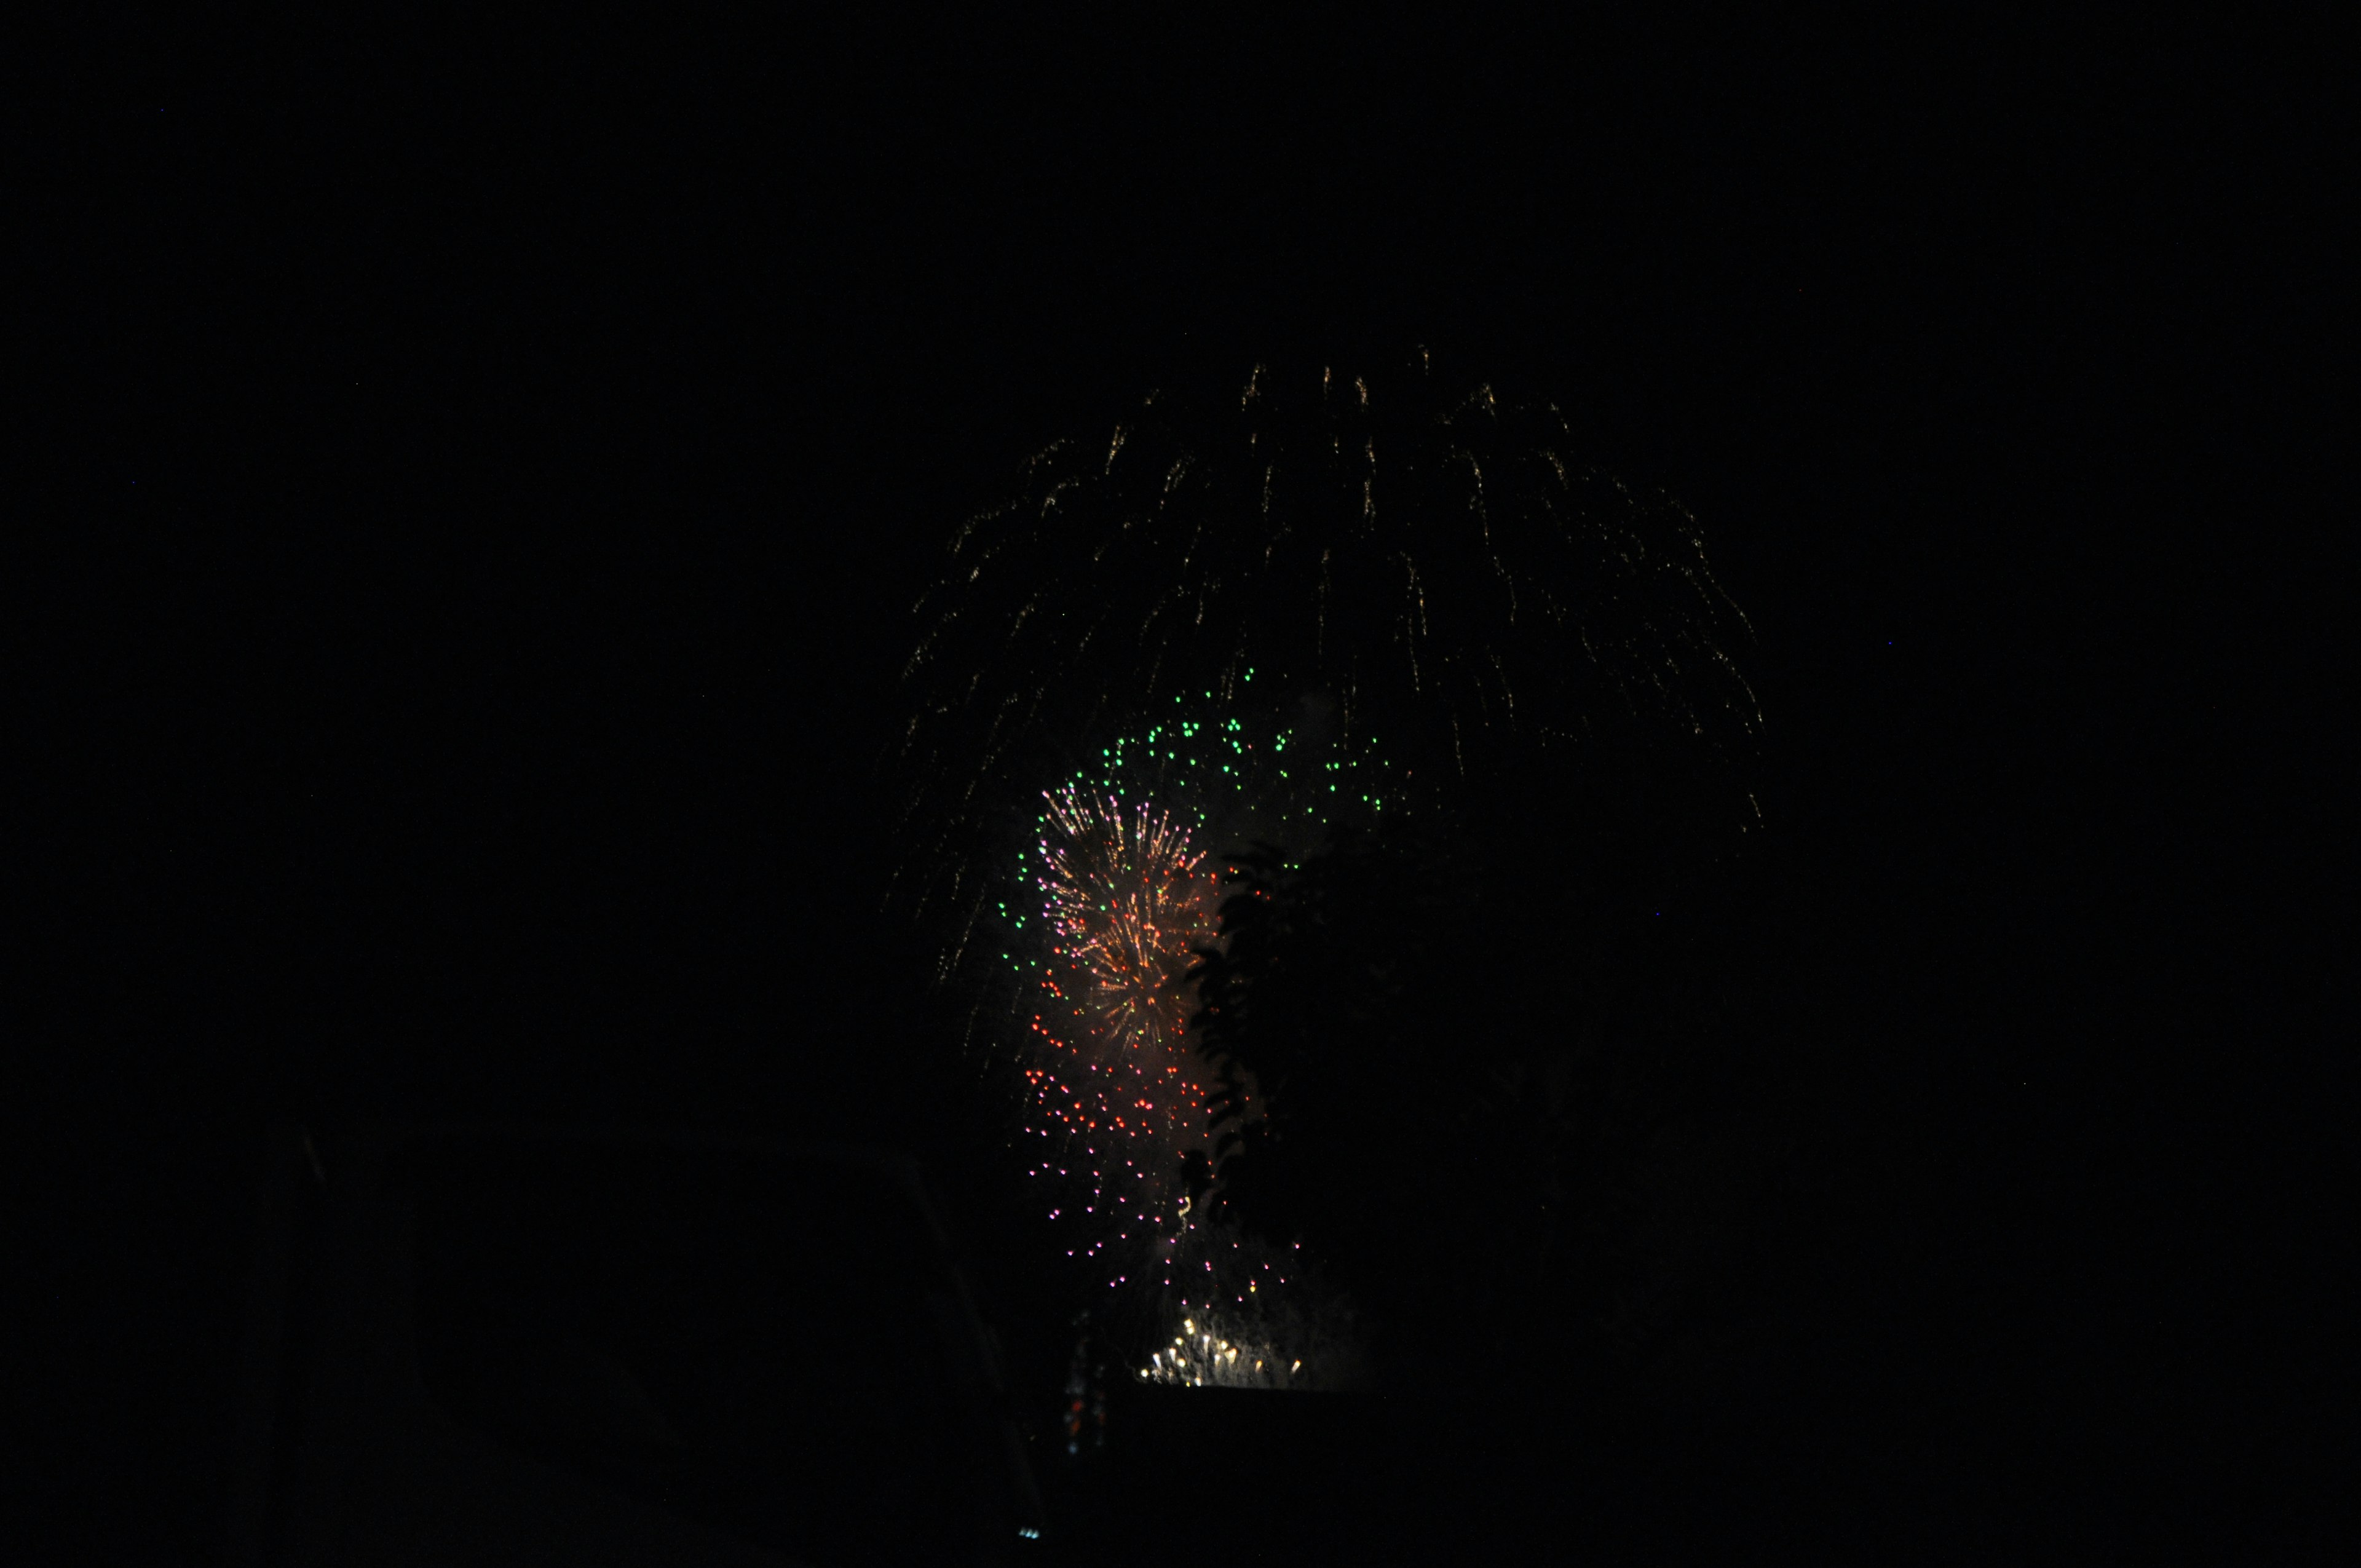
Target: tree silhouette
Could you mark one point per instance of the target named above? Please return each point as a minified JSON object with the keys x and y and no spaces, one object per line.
{"x":1529,"y":1073}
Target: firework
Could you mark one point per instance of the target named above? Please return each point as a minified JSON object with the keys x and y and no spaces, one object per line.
{"x":1104,"y":915}
{"x":1176,"y":641}
{"x":1240,"y":1312}
{"x":1128,"y":901}
{"x":1441,"y":566}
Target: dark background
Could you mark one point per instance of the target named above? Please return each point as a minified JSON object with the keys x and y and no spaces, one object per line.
{"x":498,"y":461}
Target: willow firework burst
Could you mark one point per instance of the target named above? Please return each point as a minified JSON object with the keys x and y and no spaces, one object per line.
{"x":1439,"y":565}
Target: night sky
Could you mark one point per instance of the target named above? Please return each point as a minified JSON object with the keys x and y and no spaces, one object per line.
{"x":501,"y":462}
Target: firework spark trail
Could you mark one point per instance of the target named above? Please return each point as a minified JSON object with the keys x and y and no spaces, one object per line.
{"x":1128,"y":899}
